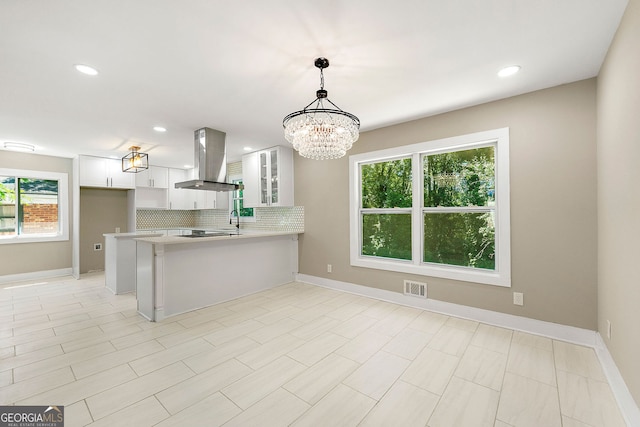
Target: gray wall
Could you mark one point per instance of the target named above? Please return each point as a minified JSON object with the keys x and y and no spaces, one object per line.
{"x":619,"y":198}
{"x":32,"y":257}
{"x":101,"y":211}
{"x":553,"y":205}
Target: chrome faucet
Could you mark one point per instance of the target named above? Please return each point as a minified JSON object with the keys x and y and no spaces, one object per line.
{"x":237,"y":219}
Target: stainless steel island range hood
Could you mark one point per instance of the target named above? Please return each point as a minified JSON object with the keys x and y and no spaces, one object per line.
{"x":210,"y":163}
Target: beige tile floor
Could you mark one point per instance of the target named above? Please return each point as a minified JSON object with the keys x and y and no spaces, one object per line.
{"x":295,"y":355}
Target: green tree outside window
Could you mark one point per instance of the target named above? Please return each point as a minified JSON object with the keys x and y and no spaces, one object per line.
{"x":458,"y":212}
{"x":386,"y":203}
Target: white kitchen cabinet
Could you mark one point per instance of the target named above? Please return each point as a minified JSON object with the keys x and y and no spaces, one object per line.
{"x":174,"y":276}
{"x":152,"y":188}
{"x":179,"y":199}
{"x":251,"y":180}
{"x":151,"y":198}
{"x":210,"y":199}
{"x":104,"y":173}
{"x":154,"y":177}
{"x":202,"y":199}
{"x":268,"y":177}
{"x":120,"y":260}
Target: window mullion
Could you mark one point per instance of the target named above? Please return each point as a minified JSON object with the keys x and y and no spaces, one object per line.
{"x":461,"y":209}
{"x":19,"y":212}
{"x":365,"y":211}
{"x":416,"y":212}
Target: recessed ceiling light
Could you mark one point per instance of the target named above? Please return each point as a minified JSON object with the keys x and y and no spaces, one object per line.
{"x":159,"y":129}
{"x":188,"y":166}
{"x":19,"y":146}
{"x":247,"y":148}
{"x":85,"y":69}
{"x":509,"y":71}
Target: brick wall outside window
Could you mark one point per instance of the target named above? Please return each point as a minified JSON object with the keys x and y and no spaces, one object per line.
{"x":40,"y":218}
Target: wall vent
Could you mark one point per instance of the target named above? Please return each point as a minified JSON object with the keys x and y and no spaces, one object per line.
{"x":415,"y":289}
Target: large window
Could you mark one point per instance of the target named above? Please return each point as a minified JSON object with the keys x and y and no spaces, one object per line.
{"x":439,"y":208}
{"x":33,"y":206}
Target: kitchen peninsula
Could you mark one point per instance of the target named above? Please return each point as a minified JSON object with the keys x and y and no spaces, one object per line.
{"x":175,"y":274}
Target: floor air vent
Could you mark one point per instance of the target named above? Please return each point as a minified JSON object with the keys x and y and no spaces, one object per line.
{"x":415,"y":289}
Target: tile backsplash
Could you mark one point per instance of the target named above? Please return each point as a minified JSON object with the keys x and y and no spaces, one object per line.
{"x":279,"y":218}
{"x":160,"y":219}
{"x":269,"y":218}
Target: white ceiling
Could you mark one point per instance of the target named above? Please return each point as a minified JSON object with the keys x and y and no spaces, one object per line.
{"x":241,"y":66}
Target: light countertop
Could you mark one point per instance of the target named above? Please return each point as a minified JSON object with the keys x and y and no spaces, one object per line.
{"x":134,"y":234}
{"x":244,"y":234}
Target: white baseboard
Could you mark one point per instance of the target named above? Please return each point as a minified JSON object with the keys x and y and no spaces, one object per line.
{"x":627,"y":404}
{"x":538,"y":327}
{"x":571,"y":334}
{"x":36,"y":275}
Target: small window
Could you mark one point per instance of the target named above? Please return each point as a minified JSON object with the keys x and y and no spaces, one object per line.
{"x":33,"y":206}
{"x":237,"y":206}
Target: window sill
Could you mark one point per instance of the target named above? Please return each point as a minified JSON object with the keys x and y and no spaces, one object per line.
{"x":6,"y":240}
{"x":464,"y":274}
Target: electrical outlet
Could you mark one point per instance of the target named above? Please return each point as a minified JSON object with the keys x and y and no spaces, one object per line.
{"x":608,"y":329}
{"x":97,"y":246}
{"x":329,"y":268}
{"x":117,"y":229}
{"x":518,"y":298}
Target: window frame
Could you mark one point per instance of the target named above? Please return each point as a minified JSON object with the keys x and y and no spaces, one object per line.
{"x":385,"y":211}
{"x":243,"y":219}
{"x":501,"y":276}
{"x":63,"y":206}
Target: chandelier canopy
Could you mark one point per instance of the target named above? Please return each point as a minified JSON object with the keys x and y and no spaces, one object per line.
{"x":319,"y":132}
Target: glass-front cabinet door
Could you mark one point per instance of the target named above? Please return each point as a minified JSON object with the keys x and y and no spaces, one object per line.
{"x":264,"y":179}
{"x":268,"y":177}
{"x":273,"y":154}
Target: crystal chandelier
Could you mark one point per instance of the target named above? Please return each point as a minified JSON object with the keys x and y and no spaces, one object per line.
{"x":318,"y":132}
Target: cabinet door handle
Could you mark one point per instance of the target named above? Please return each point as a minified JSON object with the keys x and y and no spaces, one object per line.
{"x":107,"y":182}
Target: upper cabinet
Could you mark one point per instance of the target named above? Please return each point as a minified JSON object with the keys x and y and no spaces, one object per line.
{"x":268,"y":177}
{"x":152,"y":188}
{"x":154,"y":177}
{"x":210,"y":199}
{"x":186,"y":199}
{"x":104,"y":173}
{"x":179,"y":199}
